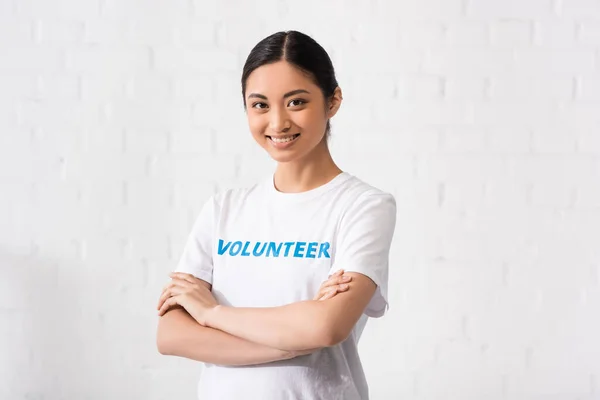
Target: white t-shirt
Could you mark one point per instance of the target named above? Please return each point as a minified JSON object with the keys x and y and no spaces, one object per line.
{"x":259,"y":247}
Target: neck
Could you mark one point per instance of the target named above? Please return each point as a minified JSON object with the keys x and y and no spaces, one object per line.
{"x":310,"y":172}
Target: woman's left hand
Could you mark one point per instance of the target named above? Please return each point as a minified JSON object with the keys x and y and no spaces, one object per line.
{"x":187,"y":291}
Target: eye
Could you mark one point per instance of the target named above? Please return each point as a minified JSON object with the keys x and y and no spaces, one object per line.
{"x":299,"y":102}
{"x":254,"y":105}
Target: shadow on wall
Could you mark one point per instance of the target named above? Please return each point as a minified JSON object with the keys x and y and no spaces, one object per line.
{"x":40,"y":328}
{"x":75,"y":330}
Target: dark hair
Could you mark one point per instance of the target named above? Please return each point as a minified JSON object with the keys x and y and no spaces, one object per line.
{"x":300,"y":50}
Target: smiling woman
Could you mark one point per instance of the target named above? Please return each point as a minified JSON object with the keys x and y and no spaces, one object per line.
{"x":294,"y":121}
{"x":260,"y":285}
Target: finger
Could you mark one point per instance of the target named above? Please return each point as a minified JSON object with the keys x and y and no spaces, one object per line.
{"x":336,"y":281}
{"x":335,"y":290}
{"x":171,"y":301}
{"x":181,"y":283}
{"x":328,"y":295}
{"x":181,"y":275}
{"x":168,"y":285}
{"x":322,"y":292}
{"x":174,"y":291}
{"x":330,"y":292}
{"x":337,"y":273}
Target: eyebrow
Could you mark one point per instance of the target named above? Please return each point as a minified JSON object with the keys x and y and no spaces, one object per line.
{"x":288,"y":94}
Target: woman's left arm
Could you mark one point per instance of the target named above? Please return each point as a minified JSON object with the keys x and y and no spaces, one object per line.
{"x":298,"y":326}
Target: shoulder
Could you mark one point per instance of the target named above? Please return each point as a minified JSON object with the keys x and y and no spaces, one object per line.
{"x":361,"y":196}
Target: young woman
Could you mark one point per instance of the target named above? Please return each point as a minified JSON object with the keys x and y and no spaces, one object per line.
{"x":258,"y":293}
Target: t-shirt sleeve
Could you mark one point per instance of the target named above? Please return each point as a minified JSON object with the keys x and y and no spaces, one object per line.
{"x":363,"y":244}
{"x":196,"y":258}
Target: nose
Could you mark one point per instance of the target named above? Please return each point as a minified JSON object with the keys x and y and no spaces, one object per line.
{"x":279,"y":121}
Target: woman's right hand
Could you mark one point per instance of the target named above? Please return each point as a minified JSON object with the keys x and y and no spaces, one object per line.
{"x":337,"y":283}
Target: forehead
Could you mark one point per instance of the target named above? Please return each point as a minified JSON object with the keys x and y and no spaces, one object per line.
{"x":279,"y":77}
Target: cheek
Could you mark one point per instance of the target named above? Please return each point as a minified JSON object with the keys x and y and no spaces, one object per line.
{"x":255,"y":123}
{"x":313,"y":122}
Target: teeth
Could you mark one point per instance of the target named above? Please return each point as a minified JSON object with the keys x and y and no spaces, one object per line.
{"x":283,"y":140}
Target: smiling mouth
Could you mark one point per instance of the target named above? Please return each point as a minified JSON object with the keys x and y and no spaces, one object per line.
{"x":284,"y":139}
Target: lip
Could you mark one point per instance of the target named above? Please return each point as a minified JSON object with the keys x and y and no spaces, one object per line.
{"x":282,"y":145}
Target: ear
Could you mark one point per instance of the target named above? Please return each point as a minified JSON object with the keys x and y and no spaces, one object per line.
{"x":335,"y":102}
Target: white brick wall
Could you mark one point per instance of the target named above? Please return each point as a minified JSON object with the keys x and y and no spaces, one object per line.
{"x":119,"y":118}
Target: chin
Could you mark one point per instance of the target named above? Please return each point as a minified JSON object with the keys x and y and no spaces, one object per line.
{"x":284,"y":157}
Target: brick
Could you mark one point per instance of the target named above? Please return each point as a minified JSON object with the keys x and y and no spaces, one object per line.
{"x":114,"y":9}
{"x":193,"y":61}
{"x":588,"y":88}
{"x":462,"y":196}
{"x":480,"y":62}
{"x":105,"y":31}
{"x":56,"y":32}
{"x":148,"y":85}
{"x":465,"y":88}
{"x":129,"y":113}
{"x":464,"y":33}
{"x":511,"y":33}
{"x":505,"y":192}
{"x":417,"y":87}
{"x":587,"y":196}
{"x":551,"y":140}
{"x":588,"y":142}
{"x":58,"y":87}
{"x":503,"y":115}
{"x":554,"y":195}
{"x":579,"y":9}
{"x":16,"y":31}
{"x":195,"y":32}
{"x":460,"y":167}
{"x":509,"y":9}
{"x":410,"y":114}
{"x":463,"y":140}
{"x":95,"y":90}
{"x":16,"y":87}
{"x":563,"y":61}
{"x":420,"y":33}
{"x":193,"y":88}
{"x":146,"y":141}
{"x":55,"y":115}
{"x":555,"y":33}
{"x":61,"y":9}
{"x":29,"y":60}
{"x":369,"y":60}
{"x":193,"y":140}
{"x":428,"y":9}
{"x":534,"y":87}
{"x":107,"y":60}
{"x":589,"y":33}
{"x":152,"y":31}
{"x":551,"y":168}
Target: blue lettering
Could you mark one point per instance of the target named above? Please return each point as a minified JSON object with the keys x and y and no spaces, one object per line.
{"x":299,"y":251}
{"x":287,"y":248}
{"x":257,"y":253}
{"x":273,"y":249}
{"x":222,"y":249}
{"x":323,"y":250}
{"x":310,"y":251}
{"x":245,"y":250}
{"x":233,"y":252}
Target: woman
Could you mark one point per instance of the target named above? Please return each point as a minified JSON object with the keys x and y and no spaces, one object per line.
{"x":269,"y":330}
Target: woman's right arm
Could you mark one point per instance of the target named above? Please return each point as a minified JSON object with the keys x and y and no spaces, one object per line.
{"x":180,"y":335}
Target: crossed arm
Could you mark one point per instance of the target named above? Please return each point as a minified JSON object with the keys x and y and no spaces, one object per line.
{"x":243,"y":336}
